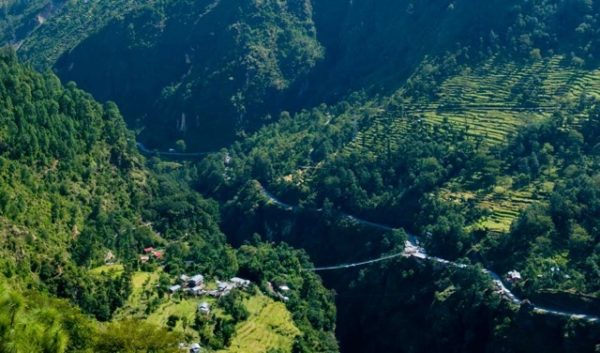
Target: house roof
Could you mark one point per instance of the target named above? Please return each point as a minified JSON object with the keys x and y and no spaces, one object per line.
{"x":197,"y":278}
{"x":239,"y":280}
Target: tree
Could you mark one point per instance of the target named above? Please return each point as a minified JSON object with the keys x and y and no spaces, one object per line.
{"x":180,"y":146}
{"x":131,"y":336}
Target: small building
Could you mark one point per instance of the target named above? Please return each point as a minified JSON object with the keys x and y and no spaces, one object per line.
{"x":223,"y":286}
{"x":148,"y":250}
{"x":144,"y":258}
{"x":157,"y":255}
{"x":240,"y":282}
{"x":204,"y":308}
{"x":513,"y":276}
{"x":214,"y":293}
{"x":198,"y":290}
{"x":284,"y":288}
{"x":184,"y":279}
{"x":196,"y":280}
{"x":195,"y":348}
{"x":174,"y":289}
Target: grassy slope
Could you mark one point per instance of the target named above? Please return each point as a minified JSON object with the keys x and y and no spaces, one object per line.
{"x":270,"y":325}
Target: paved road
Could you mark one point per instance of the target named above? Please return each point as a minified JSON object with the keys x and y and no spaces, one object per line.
{"x":412,"y":249}
{"x":145,"y":150}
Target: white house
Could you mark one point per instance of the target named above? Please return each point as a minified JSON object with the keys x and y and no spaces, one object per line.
{"x":195,"y":348}
{"x":184,"y":279}
{"x":196,"y":280}
{"x":198,"y":290}
{"x":174,"y":289}
{"x":109,"y":259}
{"x":240,"y":282}
{"x":223,"y":286}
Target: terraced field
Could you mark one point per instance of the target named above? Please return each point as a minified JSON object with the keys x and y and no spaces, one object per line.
{"x":489,"y":103}
{"x":503,"y":204}
{"x":112,"y":270}
{"x":270,"y":325}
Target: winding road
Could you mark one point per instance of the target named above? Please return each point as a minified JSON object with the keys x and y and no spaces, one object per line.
{"x":146,"y":151}
{"x":412,"y":249}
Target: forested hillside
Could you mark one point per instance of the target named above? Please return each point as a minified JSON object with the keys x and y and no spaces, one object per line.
{"x":21,"y":18}
{"x":198,"y":70}
{"x":465,"y":131}
{"x":475,"y":152}
{"x":78,"y":205}
{"x":186,"y":69}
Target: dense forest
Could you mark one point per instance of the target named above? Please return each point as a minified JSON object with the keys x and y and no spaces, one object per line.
{"x":338,"y":131}
{"x":74,"y":190}
{"x":198,"y":67}
{"x":168,"y":86}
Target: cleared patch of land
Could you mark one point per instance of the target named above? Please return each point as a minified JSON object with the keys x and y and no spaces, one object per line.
{"x":269,"y":324}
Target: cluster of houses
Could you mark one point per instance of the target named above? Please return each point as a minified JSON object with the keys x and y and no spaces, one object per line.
{"x":195,"y":286}
{"x":151,"y":253}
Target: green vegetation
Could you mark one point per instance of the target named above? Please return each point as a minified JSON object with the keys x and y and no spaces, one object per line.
{"x":472,"y":154}
{"x":169,"y":87}
{"x":475,"y":126}
{"x":78,"y":205}
{"x":38,"y":323}
{"x":267,"y":327}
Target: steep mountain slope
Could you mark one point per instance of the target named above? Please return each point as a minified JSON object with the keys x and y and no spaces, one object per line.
{"x":474,"y":153}
{"x":472,"y":124}
{"x":75,"y":194}
{"x":203,"y":70}
{"x":74,"y":188}
{"x":20,"y":19}
{"x":200,"y":70}
{"x":378,"y":45}
{"x":445,"y":168}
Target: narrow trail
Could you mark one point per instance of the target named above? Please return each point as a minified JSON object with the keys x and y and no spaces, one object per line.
{"x":412,"y":249}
